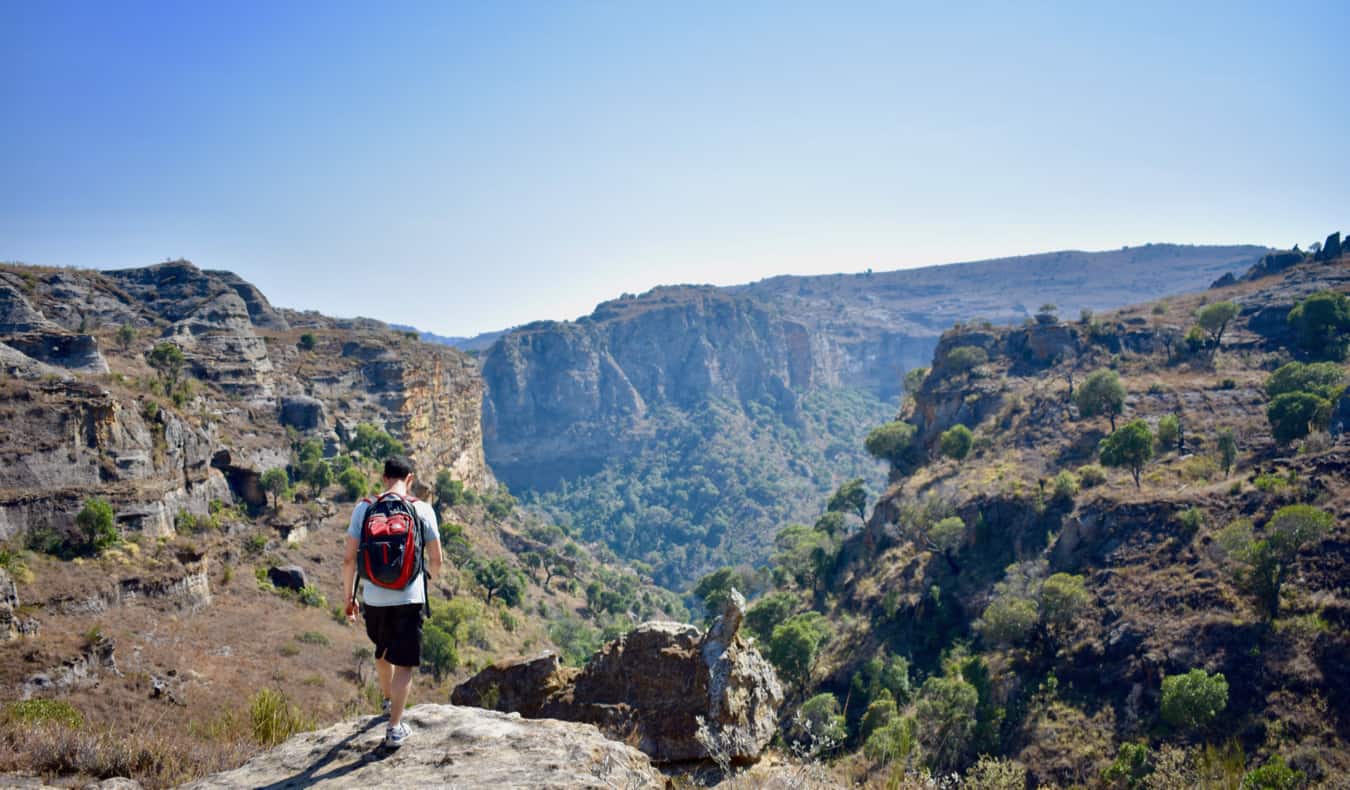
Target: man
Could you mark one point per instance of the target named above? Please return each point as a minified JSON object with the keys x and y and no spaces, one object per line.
{"x":394,"y":616}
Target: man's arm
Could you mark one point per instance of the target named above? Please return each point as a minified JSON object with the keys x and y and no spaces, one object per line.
{"x":433,"y":561}
{"x":349,"y":576}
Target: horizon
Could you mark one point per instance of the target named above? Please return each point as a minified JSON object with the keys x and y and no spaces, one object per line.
{"x":572,"y":153}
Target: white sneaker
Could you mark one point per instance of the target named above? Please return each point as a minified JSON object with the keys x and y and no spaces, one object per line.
{"x":395,"y":736}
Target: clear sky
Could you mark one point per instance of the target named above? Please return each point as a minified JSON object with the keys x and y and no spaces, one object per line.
{"x":499,"y":162}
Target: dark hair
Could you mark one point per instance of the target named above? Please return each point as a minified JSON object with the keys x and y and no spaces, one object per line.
{"x":397,"y":467}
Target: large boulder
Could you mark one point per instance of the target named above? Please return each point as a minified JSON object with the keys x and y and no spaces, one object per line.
{"x":287,"y":577}
{"x":668,"y":687}
{"x":303,"y":412}
{"x":450,"y":747}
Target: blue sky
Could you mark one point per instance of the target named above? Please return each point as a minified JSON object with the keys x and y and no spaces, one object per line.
{"x":503,"y":162}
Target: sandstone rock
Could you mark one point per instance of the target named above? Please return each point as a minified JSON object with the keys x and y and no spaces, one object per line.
{"x":260,"y":311}
{"x":287,"y":577}
{"x":659,"y":684}
{"x":450,"y":747}
{"x":1223,"y":282}
{"x":73,"y":352}
{"x":17,"y":315}
{"x":303,"y":412}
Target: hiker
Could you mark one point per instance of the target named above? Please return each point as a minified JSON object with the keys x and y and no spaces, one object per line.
{"x":396,"y":566}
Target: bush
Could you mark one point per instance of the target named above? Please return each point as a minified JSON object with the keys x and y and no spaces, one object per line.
{"x":310,"y":596}
{"x":255,"y":544}
{"x":1169,"y":431}
{"x":1323,"y":379}
{"x":895,"y":741}
{"x":371,"y":442}
{"x":963,"y":359}
{"x":768,"y":612}
{"x":97,"y":525}
{"x":794,"y":644}
{"x":31,"y":712}
{"x":274,"y":718}
{"x":313,"y":638}
{"x":451,"y":492}
{"x":956,"y":442}
{"x":947,"y":534}
{"x":892,"y":442}
{"x":1065,"y":485}
{"x":1064,"y":598}
{"x":276,"y":482}
{"x":1294,"y":414}
{"x":354,"y":483}
{"x":1091,"y":475}
{"x":1007,"y":620}
{"x":1274,"y":775}
{"x":1193,"y":700}
{"x":1190,"y":521}
{"x":945,"y":715}
{"x":307,"y":342}
{"x":819,"y":717}
{"x":1227,"y":450}
{"x":1322,"y":323}
{"x":879,"y":713}
{"x":994,"y":773}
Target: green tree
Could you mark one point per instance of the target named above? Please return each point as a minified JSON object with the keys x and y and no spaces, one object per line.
{"x":880,"y":712}
{"x":317,"y":473}
{"x":1322,"y":323}
{"x":307,"y":342}
{"x":354,"y":483}
{"x":850,"y":497}
{"x":498,"y":578}
{"x":1101,"y":393}
{"x":439,"y":653}
{"x":804,"y":555}
{"x":956,"y":442}
{"x":97,"y":525}
{"x":374,"y":443}
{"x":946,"y":535}
{"x":1064,"y":598}
{"x":768,"y":612}
{"x":1193,"y":700}
{"x":451,"y":492}
{"x":1007,"y":620}
{"x":1293,"y":415}
{"x":1274,"y":775}
{"x":945,"y":714}
{"x":914,"y":379}
{"x":832,"y":524}
{"x":126,"y":335}
{"x":1130,"y":447}
{"x":714,"y":590}
{"x":794,"y":645}
{"x":820,"y":716}
{"x":276,"y":482}
{"x":1227,"y":450}
{"x":893,"y":442}
{"x":1261,"y":566}
{"x":1215,"y":318}
{"x":963,"y":359}
{"x":167,"y":359}
{"x":1323,"y":379}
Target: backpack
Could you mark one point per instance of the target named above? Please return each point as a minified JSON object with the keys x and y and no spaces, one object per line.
{"x":390,"y":554}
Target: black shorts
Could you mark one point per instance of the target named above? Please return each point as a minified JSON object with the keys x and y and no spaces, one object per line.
{"x":396,"y":632}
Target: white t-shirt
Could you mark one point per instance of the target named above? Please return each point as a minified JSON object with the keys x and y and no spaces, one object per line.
{"x":374,"y":595}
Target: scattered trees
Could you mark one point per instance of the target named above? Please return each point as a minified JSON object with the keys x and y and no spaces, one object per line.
{"x":1293,"y":415}
{"x":1130,"y":447}
{"x":1193,"y":700}
{"x":1101,"y":393}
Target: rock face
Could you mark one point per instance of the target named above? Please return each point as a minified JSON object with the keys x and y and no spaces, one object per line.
{"x":450,"y":747}
{"x":659,"y":683}
{"x":303,"y":413}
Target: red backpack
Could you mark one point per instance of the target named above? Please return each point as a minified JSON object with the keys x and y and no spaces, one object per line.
{"x":391,"y":549}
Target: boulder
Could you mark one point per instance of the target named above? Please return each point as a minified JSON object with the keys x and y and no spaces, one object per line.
{"x":450,"y":747}
{"x":287,"y":577}
{"x":1223,"y":282}
{"x":303,"y":412}
{"x":668,"y":687}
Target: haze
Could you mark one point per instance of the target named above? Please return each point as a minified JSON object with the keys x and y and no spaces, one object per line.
{"x":466,"y":167}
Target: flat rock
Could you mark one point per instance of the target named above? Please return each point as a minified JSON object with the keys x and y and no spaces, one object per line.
{"x":450,"y":747}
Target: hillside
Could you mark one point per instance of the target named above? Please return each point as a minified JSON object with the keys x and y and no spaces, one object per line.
{"x":685,"y":425}
{"x":1014,"y":596}
{"x":156,"y":587}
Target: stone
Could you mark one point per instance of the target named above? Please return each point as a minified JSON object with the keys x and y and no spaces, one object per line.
{"x":1223,"y":282}
{"x":451,"y":746}
{"x":287,"y":577}
{"x":303,"y":412}
{"x":668,"y":687}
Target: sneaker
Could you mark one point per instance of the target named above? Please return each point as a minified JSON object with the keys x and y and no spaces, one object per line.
{"x":385,"y":707}
{"x":395,"y":736}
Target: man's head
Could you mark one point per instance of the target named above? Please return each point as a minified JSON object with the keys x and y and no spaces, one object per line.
{"x":398,"y":468}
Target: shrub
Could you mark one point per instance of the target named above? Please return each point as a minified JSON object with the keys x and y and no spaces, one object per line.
{"x":307,"y":342}
{"x":892,"y":442}
{"x":1169,"y":431}
{"x":30,"y":712}
{"x":311,"y":596}
{"x":995,"y":773}
{"x":1193,"y":700}
{"x":880,"y":712}
{"x":1322,"y":323}
{"x":1065,"y":485}
{"x":370,"y":441}
{"x":167,"y":359}
{"x":313,"y":638}
{"x":850,"y":497}
{"x":1007,"y":620}
{"x":97,"y":525}
{"x":354,"y":483}
{"x":819,"y":716}
{"x":963,"y":359}
{"x":1130,"y":447}
{"x":1101,"y":393}
{"x":896,"y":741}
{"x":1323,"y":379}
{"x":1064,"y":597}
{"x":947,"y":534}
{"x":274,"y":718}
{"x":451,"y":492}
{"x":794,"y":644}
{"x":1129,"y":768}
{"x":1091,"y":475}
{"x":1293,"y":414}
{"x":1274,"y":775}
{"x":1190,"y":521}
{"x":956,"y":442}
{"x":768,"y":612}
{"x":945,"y":715}
{"x":255,"y":544}
{"x":126,"y":335}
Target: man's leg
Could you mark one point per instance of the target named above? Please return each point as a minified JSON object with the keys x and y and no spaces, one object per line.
{"x":385,"y":671}
{"x":398,"y":692}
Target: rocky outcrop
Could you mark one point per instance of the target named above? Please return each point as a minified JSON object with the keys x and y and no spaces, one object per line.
{"x":672,"y":689}
{"x":450,"y":747}
{"x":287,"y":577}
{"x":12,"y":626}
{"x":303,"y":413}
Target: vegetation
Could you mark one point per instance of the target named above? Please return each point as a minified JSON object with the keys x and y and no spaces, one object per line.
{"x":276,"y":482}
{"x":1193,"y":700}
{"x":1130,"y":447}
{"x":1227,"y":442}
{"x":851,"y":497}
{"x":1101,"y":393}
{"x":97,"y":525}
{"x":956,"y":442}
{"x":794,"y":645}
{"x":1261,"y":565}
{"x":963,"y":359}
{"x":1215,"y":318}
{"x":892,"y":442}
{"x":1322,"y":324}
{"x":167,"y":359}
